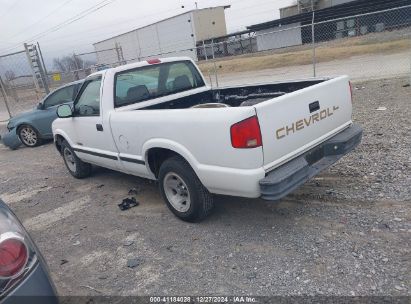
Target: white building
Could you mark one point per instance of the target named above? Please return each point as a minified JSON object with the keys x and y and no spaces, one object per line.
{"x":175,"y":36}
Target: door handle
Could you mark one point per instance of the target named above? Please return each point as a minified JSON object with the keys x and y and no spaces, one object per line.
{"x":99,"y":127}
{"x":315,"y":106}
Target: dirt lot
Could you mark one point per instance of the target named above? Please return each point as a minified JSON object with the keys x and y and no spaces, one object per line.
{"x":347,"y":232}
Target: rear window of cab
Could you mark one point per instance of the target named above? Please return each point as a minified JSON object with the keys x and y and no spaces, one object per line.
{"x":154,"y":81}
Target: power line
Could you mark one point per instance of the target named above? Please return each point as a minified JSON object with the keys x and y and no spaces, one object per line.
{"x":67,"y":22}
{"x":41,"y":19}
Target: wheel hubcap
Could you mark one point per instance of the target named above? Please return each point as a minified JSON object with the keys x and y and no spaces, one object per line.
{"x":177,"y":192}
{"x":28,"y":136}
{"x":69,"y":158}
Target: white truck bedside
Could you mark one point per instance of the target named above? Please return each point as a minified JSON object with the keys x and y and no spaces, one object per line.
{"x":158,"y":119}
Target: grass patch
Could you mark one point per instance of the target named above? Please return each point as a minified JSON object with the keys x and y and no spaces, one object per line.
{"x":324,"y":53}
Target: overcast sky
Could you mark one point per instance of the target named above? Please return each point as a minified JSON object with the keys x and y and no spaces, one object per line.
{"x":21,"y":20}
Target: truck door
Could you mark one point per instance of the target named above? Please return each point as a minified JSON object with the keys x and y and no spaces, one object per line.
{"x":93,"y":142}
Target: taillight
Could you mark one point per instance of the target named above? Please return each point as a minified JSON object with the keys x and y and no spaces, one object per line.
{"x":17,"y":251}
{"x":246,"y":134}
{"x":350,"y":89}
{"x":13,"y":255}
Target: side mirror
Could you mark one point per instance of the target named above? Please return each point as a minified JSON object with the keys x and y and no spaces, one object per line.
{"x":40,"y":106}
{"x":64,"y":111}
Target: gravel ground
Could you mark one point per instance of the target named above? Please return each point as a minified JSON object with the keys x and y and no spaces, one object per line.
{"x":347,"y":232}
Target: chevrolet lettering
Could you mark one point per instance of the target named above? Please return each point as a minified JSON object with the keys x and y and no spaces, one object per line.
{"x":299,"y":125}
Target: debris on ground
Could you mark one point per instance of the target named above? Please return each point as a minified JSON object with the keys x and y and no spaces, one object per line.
{"x":128,"y":203}
{"x":62,"y":262}
{"x":382,"y":109}
{"x":133,"y":263}
{"x":100,"y":186}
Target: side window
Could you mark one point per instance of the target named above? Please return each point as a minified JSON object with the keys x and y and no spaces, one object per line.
{"x":59,"y":97}
{"x":88,"y":101}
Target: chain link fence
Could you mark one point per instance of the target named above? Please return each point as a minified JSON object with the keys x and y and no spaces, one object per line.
{"x":17,"y":84}
{"x":365,"y":46}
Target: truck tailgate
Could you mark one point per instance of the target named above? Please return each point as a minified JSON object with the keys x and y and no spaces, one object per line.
{"x":296,"y":122}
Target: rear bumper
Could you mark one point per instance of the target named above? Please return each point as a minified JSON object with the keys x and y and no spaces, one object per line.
{"x":293,"y":174}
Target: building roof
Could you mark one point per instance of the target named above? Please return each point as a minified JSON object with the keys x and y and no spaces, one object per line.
{"x":334,"y":12}
{"x":187,"y":12}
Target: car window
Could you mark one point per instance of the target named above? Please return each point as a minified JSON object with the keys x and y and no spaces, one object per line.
{"x":88,"y":100}
{"x":141,"y":84}
{"x":59,"y":97}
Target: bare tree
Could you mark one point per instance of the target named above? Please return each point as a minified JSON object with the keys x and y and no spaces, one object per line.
{"x":70,"y":63}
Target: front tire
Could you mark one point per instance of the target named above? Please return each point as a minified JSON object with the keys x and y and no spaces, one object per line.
{"x":29,"y":136}
{"x":75,"y":165}
{"x":183,"y":192}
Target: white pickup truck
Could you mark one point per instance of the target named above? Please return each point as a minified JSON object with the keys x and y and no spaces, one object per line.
{"x":159,"y":120}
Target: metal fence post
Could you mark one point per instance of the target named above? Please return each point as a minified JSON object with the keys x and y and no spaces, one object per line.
{"x":6,"y":99}
{"x":313,"y":45}
{"x":215,"y":64}
{"x":205,"y":51}
{"x":76,"y":72}
{"x":410,"y":61}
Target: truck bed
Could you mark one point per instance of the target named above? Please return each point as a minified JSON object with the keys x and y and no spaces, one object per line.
{"x":237,"y":96}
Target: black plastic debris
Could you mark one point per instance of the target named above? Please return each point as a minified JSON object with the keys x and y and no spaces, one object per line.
{"x":128,"y":203}
{"x":62,"y":262}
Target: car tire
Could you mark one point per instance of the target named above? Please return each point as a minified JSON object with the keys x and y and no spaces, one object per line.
{"x":179,"y":182}
{"x":29,"y":136}
{"x":75,"y":165}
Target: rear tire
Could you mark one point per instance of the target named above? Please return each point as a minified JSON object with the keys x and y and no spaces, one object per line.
{"x":183,"y":192}
{"x":29,"y":136}
{"x":75,"y":165}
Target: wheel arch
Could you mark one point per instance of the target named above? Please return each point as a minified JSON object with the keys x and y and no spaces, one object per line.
{"x":58,"y":138}
{"x":157,"y":151}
